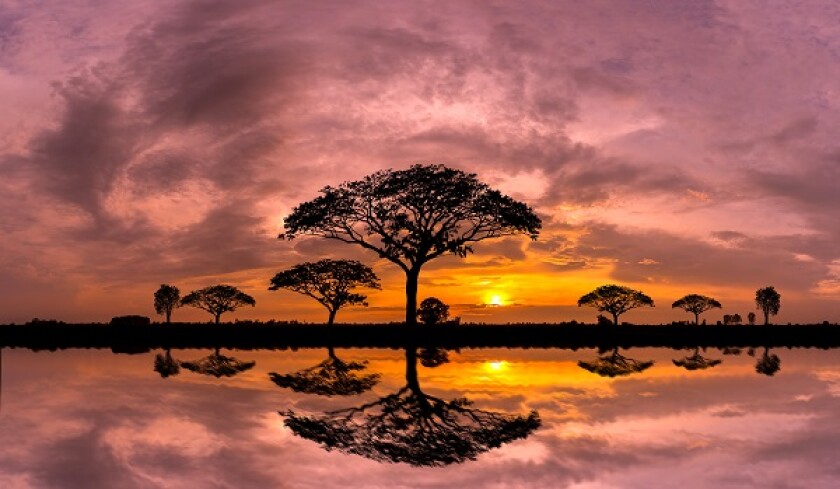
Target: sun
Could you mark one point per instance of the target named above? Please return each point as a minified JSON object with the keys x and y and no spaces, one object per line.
{"x":496,"y":300}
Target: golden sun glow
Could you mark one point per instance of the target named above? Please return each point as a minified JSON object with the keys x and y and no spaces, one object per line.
{"x":495,"y":300}
{"x":498,"y":366}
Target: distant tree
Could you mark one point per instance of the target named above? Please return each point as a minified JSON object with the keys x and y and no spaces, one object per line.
{"x":432,"y":311}
{"x":167,"y":298}
{"x":751,"y":318}
{"x":736,"y":319}
{"x":330,"y":282}
{"x":218,"y":299}
{"x":696,"y":304}
{"x":769,"y":301}
{"x":615,"y":299}
{"x":410,"y":217}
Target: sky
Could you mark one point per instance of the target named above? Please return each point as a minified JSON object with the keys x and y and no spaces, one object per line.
{"x":672,"y":146}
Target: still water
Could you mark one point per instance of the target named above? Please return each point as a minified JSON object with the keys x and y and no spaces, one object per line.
{"x":496,"y":418}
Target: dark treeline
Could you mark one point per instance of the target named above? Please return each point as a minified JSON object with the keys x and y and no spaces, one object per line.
{"x":248,"y":335}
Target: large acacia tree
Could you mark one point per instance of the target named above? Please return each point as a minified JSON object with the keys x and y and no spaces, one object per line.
{"x":410,"y":217}
{"x":615,"y":299}
{"x":330,"y":282}
{"x":696,"y":304}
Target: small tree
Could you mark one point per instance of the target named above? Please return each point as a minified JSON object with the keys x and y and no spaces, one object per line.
{"x":410,"y":217}
{"x":769,"y":301}
{"x":218,"y":299}
{"x":615,"y":299}
{"x":167,"y":298}
{"x":432,"y":311}
{"x":751,"y":318}
{"x":330,"y":282}
{"x":696,"y":304}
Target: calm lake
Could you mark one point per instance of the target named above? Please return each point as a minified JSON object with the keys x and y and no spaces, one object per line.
{"x":498,"y":418}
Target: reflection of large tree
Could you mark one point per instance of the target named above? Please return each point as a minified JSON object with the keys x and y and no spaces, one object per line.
{"x":218,"y":365}
{"x":167,"y":366}
{"x":332,"y":377}
{"x":696,"y":361}
{"x":614,"y":365}
{"x":413,"y":427}
{"x":768,"y":364}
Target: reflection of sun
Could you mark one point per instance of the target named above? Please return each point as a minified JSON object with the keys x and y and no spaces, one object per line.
{"x":497,"y":366}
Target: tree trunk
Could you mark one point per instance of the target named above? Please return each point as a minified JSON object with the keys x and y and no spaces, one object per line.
{"x":411,"y":368}
{"x":411,"y":278}
{"x":331,"y":319}
{"x":168,"y":316}
{"x":615,"y":319}
{"x":766,"y":317}
{"x":218,"y":317}
{"x":696,"y":318}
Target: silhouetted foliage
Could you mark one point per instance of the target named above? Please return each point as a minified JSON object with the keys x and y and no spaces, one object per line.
{"x":751,"y":318}
{"x":413,"y":427}
{"x":768,"y":301}
{"x":768,"y":364}
{"x":410,"y":217}
{"x":614,"y":365}
{"x":615,"y":299}
{"x":696,"y":304}
{"x":433,"y":357}
{"x":130,"y":320}
{"x":167,"y":298}
{"x":731,"y":319}
{"x":330,"y":282}
{"x":696,"y":361}
{"x":218,"y":365}
{"x":432,"y":311}
{"x":167,"y":366}
{"x":332,"y":377}
{"x":218,"y":299}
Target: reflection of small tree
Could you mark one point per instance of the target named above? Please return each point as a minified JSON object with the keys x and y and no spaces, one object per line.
{"x":696,"y":304}
{"x":166,"y":366}
{"x":432,"y":311}
{"x":218,"y":299}
{"x":330,"y":282}
{"x":218,"y":365}
{"x":614,"y":365}
{"x":413,"y":427}
{"x":167,"y":298}
{"x":411,"y":217}
{"x":696,"y":361}
{"x":769,"y":301}
{"x":768,"y":364}
{"x":615,"y":299}
{"x":332,"y":377}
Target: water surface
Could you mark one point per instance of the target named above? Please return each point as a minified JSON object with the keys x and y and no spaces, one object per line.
{"x":474,"y":418}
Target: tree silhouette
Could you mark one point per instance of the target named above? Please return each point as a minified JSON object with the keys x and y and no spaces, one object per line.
{"x":330,"y":282}
{"x":332,"y":377}
{"x":614,"y":365}
{"x":768,"y":364}
{"x":218,"y":299}
{"x":432,"y":311}
{"x":167,"y":298}
{"x":696,"y":304}
{"x":218,"y":365}
{"x":769,"y":301}
{"x":433,"y":357}
{"x":413,"y":427}
{"x":410,"y":217}
{"x":751,"y":318}
{"x":167,"y":366}
{"x":696,"y":361}
{"x":615,"y":299}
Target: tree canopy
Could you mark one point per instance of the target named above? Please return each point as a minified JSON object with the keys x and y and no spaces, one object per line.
{"x":332,"y":377}
{"x":412,"y":216}
{"x":769,"y":301}
{"x":615,"y":365}
{"x":218,"y":299}
{"x":432,"y":311}
{"x":615,"y":299}
{"x":330,"y":282}
{"x":696,"y":304}
{"x":167,"y":298}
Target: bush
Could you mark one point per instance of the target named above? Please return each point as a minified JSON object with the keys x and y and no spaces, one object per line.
{"x":130,"y":321}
